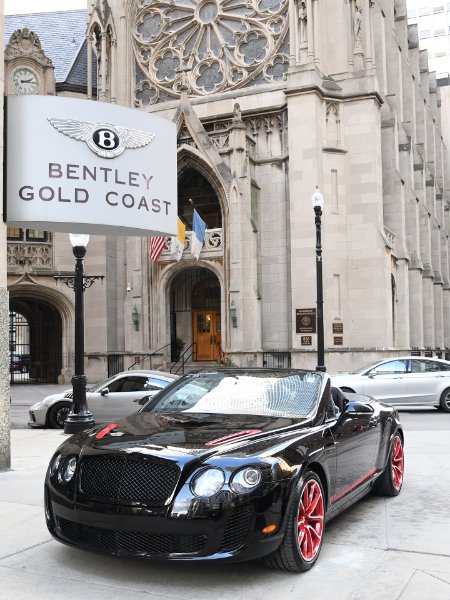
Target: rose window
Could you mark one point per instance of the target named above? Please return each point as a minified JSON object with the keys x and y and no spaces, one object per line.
{"x":208,"y":46}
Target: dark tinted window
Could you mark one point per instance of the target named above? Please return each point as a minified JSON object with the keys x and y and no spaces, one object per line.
{"x":424,"y":366}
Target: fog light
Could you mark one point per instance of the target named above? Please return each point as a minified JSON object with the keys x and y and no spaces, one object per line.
{"x":245,"y":480}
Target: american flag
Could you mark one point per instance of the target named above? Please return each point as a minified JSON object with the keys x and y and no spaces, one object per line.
{"x":156,"y":247}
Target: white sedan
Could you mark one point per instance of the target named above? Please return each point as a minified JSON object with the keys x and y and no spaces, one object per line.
{"x":402,"y":381}
{"x":112,"y":399}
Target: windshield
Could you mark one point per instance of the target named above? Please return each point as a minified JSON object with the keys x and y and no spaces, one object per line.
{"x":362,"y":369}
{"x":103,"y":384}
{"x":269,"y":394}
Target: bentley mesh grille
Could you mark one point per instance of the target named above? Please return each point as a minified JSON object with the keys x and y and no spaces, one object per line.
{"x":129,"y":542}
{"x":237,"y":529}
{"x":123,"y":479}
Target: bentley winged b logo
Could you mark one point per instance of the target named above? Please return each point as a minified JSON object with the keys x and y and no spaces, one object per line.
{"x":106,"y":140}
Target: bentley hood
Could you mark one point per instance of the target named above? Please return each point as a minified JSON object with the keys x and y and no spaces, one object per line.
{"x":178,"y":435}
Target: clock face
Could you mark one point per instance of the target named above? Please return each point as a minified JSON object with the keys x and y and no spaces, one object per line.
{"x":25,"y":81}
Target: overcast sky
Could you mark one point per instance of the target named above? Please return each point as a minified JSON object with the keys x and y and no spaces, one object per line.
{"x":19,"y":7}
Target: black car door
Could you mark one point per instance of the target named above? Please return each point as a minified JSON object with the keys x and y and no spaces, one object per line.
{"x":357,"y":437}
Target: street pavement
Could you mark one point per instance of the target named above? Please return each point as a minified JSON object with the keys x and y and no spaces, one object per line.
{"x":380,"y":549}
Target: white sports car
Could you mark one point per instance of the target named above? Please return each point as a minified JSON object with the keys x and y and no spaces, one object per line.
{"x":402,"y":381}
{"x":114,"y":398}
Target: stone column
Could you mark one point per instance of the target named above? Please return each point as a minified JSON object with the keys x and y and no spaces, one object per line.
{"x":293,"y":38}
{"x":402,"y":306}
{"x":416,"y":308}
{"x":316,"y":26}
{"x":103,"y":67}
{"x":309,"y":24}
{"x":112,"y":70}
{"x":89,"y":66}
{"x":243,"y":247}
{"x":438,"y":312}
{"x":428,"y":307}
{"x":367,"y":34}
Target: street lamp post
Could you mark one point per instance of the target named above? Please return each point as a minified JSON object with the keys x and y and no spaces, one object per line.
{"x":79,"y":417}
{"x":317,"y":202}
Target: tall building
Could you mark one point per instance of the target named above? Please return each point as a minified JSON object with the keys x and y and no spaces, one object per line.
{"x":270,"y":100}
{"x":432,"y":18}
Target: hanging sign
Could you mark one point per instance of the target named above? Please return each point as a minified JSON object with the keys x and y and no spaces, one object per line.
{"x":82,"y":166}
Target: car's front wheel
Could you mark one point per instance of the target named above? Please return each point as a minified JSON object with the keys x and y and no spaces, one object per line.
{"x":302,"y":540}
{"x":445,"y":400}
{"x":58,"y":414}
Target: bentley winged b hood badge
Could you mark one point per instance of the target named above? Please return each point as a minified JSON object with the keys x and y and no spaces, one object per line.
{"x":104,"y":139}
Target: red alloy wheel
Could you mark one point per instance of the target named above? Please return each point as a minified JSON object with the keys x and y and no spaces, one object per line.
{"x":397,"y":463}
{"x":310,"y":520}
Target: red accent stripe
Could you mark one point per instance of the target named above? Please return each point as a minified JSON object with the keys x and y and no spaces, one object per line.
{"x":105,"y":430}
{"x":232,"y":436}
{"x":352,"y":486}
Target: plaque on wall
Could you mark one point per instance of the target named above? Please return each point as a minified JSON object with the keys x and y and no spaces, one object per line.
{"x":415,"y":352}
{"x":305,"y":320}
{"x":428,"y":353}
{"x":338,"y":341}
{"x":338,"y":327}
{"x":306,"y":340}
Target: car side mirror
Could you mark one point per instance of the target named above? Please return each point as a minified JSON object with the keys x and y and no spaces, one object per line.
{"x":142,"y":401}
{"x":356,"y":409}
{"x":104,"y":392}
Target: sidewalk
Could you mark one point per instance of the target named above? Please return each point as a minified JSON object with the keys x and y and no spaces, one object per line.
{"x":381,"y":549}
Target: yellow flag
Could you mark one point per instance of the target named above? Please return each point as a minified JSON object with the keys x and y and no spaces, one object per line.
{"x":178,"y":242}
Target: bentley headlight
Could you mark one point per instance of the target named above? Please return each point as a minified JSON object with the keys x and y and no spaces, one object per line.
{"x":208,"y":482}
{"x":245,"y":480}
{"x":68,"y":470}
{"x":55,"y":464}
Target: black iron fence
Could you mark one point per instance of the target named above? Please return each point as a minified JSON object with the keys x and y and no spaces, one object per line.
{"x":115,"y":364}
{"x":277,"y":360}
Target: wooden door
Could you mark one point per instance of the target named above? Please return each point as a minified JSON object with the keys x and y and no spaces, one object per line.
{"x":206,"y":330}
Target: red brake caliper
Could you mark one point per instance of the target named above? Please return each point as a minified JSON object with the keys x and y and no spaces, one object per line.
{"x":397,"y":463}
{"x":310,"y":520}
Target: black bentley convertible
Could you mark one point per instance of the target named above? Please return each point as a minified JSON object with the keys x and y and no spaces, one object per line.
{"x":228,"y":464}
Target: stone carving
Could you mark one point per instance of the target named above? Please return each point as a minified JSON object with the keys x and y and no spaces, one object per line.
{"x":30,"y":256}
{"x":212,"y":246}
{"x":204,"y":47}
{"x":357,"y":22}
{"x":302,"y":31}
{"x":26,"y":43}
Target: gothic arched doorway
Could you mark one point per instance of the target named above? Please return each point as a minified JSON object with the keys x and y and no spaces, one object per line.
{"x":195,"y":315}
{"x":35,"y":341}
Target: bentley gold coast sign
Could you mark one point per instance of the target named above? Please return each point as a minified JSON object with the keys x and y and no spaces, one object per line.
{"x":81,"y":166}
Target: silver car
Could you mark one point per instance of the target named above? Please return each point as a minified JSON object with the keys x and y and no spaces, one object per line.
{"x":112,"y":399}
{"x":402,"y":381}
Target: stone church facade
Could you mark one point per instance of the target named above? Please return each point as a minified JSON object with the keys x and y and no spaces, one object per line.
{"x":271,"y":98}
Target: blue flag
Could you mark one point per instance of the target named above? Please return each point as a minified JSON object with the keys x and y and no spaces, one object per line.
{"x":198,"y":235}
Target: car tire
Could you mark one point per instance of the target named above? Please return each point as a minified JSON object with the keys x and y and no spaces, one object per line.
{"x":24,"y":369}
{"x":58,"y":414}
{"x":305,"y":527}
{"x":444,"y":403}
{"x":391,"y":480}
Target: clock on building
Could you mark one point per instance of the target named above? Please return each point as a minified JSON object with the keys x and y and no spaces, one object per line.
{"x":25,"y":81}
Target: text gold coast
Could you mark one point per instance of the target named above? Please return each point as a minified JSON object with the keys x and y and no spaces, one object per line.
{"x":80,"y":195}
